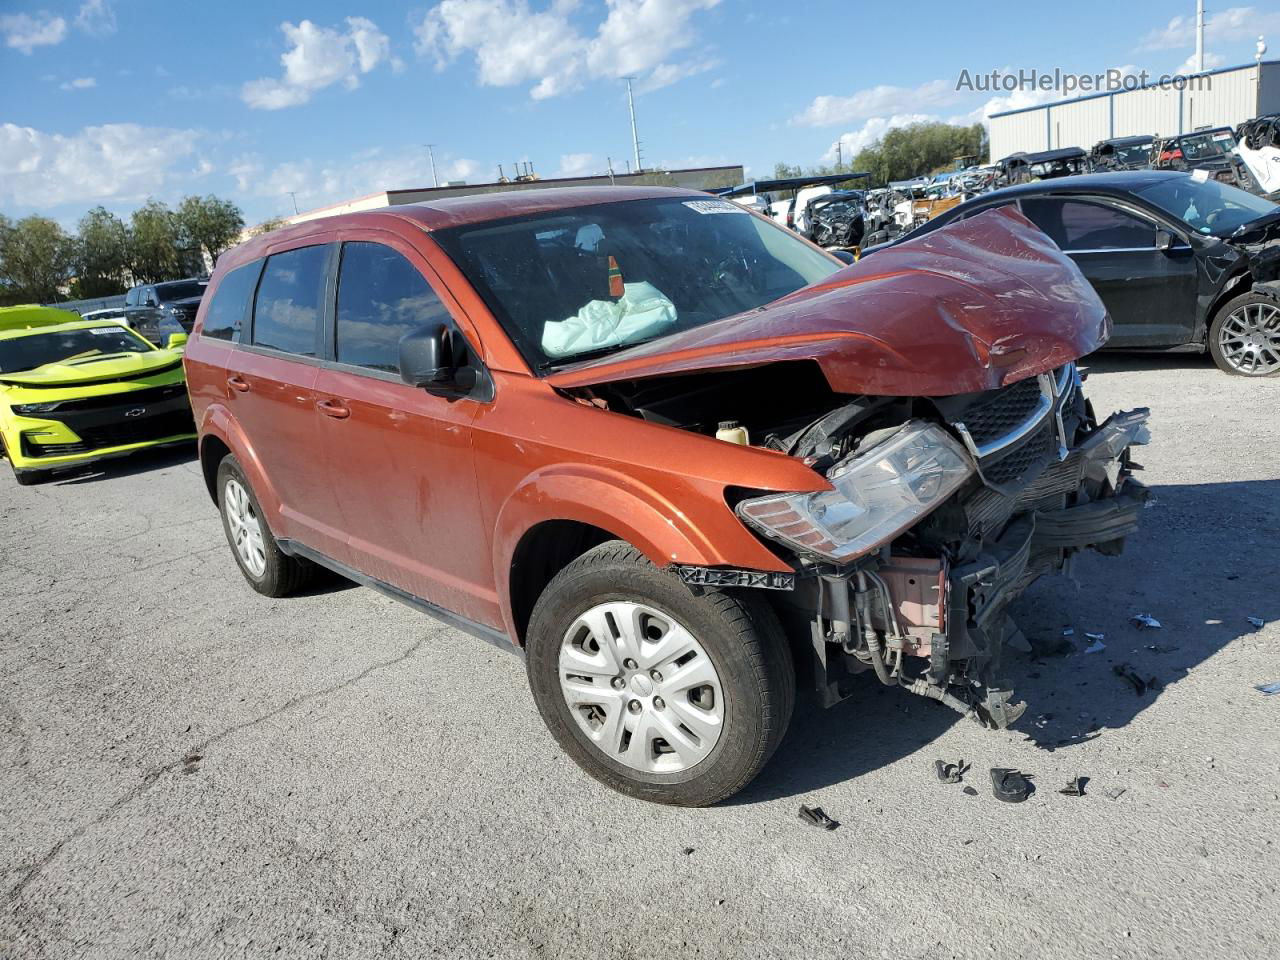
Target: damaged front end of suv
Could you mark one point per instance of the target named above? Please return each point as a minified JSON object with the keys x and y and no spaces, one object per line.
{"x":945,"y":412}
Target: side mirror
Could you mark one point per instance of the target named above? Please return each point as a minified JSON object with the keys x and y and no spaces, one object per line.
{"x":176,"y":340}
{"x":426,"y":357}
{"x":1164,"y":240}
{"x":844,"y":256}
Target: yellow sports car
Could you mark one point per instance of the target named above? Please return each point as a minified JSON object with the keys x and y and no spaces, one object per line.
{"x":73,"y":391}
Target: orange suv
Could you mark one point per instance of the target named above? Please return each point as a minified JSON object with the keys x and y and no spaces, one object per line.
{"x":669,"y":450}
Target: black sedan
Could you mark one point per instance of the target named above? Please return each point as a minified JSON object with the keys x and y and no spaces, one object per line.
{"x":1182,"y":262}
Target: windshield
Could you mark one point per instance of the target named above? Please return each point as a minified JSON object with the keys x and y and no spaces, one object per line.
{"x":1205,"y":145}
{"x":37,"y":349}
{"x":591,"y":280}
{"x":1207,"y":205}
{"x":180,"y":290}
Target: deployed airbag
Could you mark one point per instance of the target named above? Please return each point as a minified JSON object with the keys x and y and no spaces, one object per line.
{"x":641,"y":312}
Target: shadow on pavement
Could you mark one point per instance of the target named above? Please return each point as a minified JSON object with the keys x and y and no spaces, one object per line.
{"x":143,"y":461}
{"x":1203,"y":565}
{"x":1121,"y":362}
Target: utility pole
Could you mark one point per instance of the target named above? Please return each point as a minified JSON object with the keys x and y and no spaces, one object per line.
{"x":635,"y":139}
{"x":432,"y":154}
{"x":294,"y":197}
{"x":1199,"y":36}
{"x":839,"y":154}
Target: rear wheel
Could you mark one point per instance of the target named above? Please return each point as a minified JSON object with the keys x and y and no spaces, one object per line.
{"x":656,"y":692}
{"x":1244,"y":338}
{"x":268,"y":569}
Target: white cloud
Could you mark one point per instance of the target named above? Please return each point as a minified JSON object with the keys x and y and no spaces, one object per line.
{"x":514,"y":44}
{"x":869,"y":133}
{"x":115,"y":161}
{"x":96,"y":18}
{"x":576,"y":164}
{"x":319,"y":57}
{"x":879,"y":101}
{"x":1232,"y":24}
{"x":320,"y":184}
{"x":24,"y":32}
{"x":1211,"y":62}
{"x":79,"y":83}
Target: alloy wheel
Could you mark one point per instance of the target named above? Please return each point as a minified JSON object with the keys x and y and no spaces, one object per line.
{"x":1250,"y":339}
{"x":641,"y":687}
{"x":245,"y":527}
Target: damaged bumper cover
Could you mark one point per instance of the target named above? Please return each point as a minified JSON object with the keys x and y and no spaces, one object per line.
{"x":952,"y":609}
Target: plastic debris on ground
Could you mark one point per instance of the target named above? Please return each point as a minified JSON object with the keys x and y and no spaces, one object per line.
{"x":1126,"y":672}
{"x":1096,"y":647}
{"x":1011,"y":786}
{"x":1256,"y":622}
{"x":1145,"y":621}
{"x":971,"y":791}
{"x":1115,"y":793}
{"x":950,"y":772}
{"x":1075,"y":787}
{"x":1268,"y":689}
{"x":817,"y":817}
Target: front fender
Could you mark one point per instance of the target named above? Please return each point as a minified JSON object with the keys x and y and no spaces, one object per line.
{"x":702,"y":531}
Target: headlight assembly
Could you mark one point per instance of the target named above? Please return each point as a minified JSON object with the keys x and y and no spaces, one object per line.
{"x":879,"y":492}
{"x":30,"y":409}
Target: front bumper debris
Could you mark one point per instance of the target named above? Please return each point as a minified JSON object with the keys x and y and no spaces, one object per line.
{"x":952,"y":609}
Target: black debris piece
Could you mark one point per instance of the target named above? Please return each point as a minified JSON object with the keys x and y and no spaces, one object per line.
{"x":687,"y":851}
{"x":1126,"y":672}
{"x":1011,"y":786}
{"x":971,"y":791}
{"x":817,"y":817}
{"x":1075,"y":788}
{"x":950,"y":772}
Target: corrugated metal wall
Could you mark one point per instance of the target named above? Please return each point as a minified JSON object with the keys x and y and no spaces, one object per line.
{"x":1016,"y":132}
{"x":1077,"y":124}
{"x":1232,"y":96}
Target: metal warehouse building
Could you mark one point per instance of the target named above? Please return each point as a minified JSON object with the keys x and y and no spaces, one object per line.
{"x":1216,"y":98}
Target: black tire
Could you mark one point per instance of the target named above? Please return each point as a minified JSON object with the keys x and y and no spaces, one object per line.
{"x":739,"y":633}
{"x":282,"y":574}
{"x":1215,"y":333}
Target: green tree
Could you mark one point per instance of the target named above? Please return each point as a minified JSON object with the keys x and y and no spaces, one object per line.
{"x":275,"y":223}
{"x":906,"y":152}
{"x":155,"y":246}
{"x":103,"y":259}
{"x":209,"y":225}
{"x":36,"y":258}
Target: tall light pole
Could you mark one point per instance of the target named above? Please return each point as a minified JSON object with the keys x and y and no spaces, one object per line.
{"x":294,"y":197}
{"x":635,"y":138}
{"x":435,"y":180}
{"x":1199,"y":36}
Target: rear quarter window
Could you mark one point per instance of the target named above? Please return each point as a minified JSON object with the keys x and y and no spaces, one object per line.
{"x":230,"y":304}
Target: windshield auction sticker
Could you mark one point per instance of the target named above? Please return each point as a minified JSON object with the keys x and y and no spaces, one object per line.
{"x":714,"y":206}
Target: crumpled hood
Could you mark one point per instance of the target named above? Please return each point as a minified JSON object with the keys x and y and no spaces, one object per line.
{"x":96,"y":369}
{"x":970,"y":307}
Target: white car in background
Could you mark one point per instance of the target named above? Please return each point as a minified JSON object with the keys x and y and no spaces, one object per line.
{"x":754,"y":202}
{"x":799,"y":222}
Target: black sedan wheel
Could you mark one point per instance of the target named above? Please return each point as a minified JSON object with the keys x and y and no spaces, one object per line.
{"x":1244,"y":338}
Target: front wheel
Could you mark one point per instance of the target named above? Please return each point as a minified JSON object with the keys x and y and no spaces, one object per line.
{"x":1244,"y":338}
{"x":655,"y":692}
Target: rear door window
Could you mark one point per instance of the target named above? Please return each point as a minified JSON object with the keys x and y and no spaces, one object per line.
{"x":230,"y":303}
{"x":288,"y":311}
{"x":381,"y":297}
{"x":1078,"y":226}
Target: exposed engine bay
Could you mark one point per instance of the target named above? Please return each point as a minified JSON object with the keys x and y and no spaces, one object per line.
{"x":944,"y":510}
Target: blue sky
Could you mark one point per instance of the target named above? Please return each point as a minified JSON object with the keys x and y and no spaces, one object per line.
{"x":111,"y":101}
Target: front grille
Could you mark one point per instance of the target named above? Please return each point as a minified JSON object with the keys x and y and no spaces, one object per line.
{"x":1017,"y":464}
{"x":117,"y":434}
{"x":143,"y":398}
{"x":1003,"y":411}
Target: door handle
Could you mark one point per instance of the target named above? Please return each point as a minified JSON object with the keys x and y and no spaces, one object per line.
{"x":333,"y":408}
{"x":237,"y":384}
